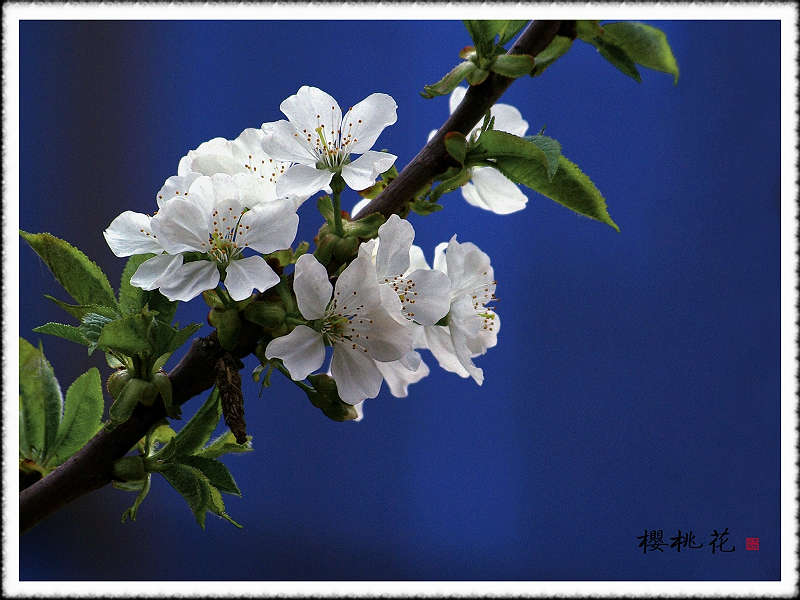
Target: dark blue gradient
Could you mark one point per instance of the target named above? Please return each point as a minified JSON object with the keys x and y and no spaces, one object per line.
{"x":635,"y":384}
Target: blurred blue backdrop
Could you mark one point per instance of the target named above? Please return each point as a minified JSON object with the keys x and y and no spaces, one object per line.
{"x":636,"y":380}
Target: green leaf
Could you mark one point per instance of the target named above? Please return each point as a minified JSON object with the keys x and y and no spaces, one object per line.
{"x":570,"y":186}
{"x":40,"y":403}
{"x":129,"y":335}
{"x":164,"y":386}
{"x":483,"y":33}
{"x":198,"y":430}
{"x":225,"y":444}
{"x":217,"y":506}
{"x":91,"y":327}
{"x":618,"y":57}
{"x":181,"y":336}
{"x":646,"y":45}
{"x":455,"y":143}
{"x":131,"y":298}
{"x":67,"y":332}
{"x":366,"y":227}
{"x":551,"y":149}
{"x":135,"y":390}
{"x":478,"y":76}
{"x":81,"y":310}
{"x":83,"y":415}
{"x":513,"y":65}
{"x":450,"y":81}
{"x":375,"y":190}
{"x":144,"y":489}
{"x":424,"y":207}
{"x":588,"y":30}
{"x":506,"y":30}
{"x":496,"y":144}
{"x":217,"y":473}
{"x":228,"y":325}
{"x":555,"y":50}
{"x":79,"y":276}
{"x":160,"y":304}
{"x":450,"y":183}
{"x":192,"y":485}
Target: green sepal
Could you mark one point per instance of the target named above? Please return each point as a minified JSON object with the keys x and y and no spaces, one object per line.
{"x":325,"y":397}
{"x":211,"y":298}
{"x":557,"y":48}
{"x":40,"y":403}
{"x":114,"y":362}
{"x":128,"y":486}
{"x":216,"y":473}
{"x":569,"y":186}
{"x":450,"y":81}
{"x":225,"y":444}
{"x":506,"y":30}
{"x":143,"y":491}
{"x":268,"y":315}
{"x":67,"y":332}
{"x":375,"y":190}
{"x":302,"y":248}
{"x":79,"y":276}
{"x":228,"y":324}
{"x":513,"y":65}
{"x":646,"y":45}
{"x":455,"y":143}
{"x":483,"y":34}
{"x":83,"y":417}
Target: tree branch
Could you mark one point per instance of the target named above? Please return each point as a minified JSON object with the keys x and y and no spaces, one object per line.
{"x":91,"y":467}
{"x":433,"y":158}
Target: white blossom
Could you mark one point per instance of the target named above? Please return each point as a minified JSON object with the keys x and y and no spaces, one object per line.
{"x":208,"y":218}
{"x":472,"y":324}
{"x":319,"y":141}
{"x":489,"y":189}
{"x":350,"y":318}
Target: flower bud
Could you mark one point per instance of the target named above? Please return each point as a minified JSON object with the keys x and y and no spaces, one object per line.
{"x":117,"y":381}
{"x":268,"y":315}
{"x":129,"y":468}
{"x":227,"y":324}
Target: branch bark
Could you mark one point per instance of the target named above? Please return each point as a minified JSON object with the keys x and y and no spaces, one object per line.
{"x":91,"y":467}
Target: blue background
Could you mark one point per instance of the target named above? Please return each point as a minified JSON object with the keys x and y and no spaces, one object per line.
{"x":635,"y":384}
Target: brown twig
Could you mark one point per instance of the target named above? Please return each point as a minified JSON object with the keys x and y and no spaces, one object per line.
{"x":91,"y":467}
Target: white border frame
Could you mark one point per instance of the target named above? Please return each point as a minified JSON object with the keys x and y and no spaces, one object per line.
{"x":788,"y":16}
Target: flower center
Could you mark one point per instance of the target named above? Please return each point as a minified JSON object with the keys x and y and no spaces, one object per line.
{"x":481,"y":296}
{"x":329,"y":144}
{"x":344,"y":322}
{"x":404,"y":288}
{"x":227,"y":240}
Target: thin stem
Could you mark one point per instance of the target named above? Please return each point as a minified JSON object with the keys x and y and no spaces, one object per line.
{"x":337,"y":185}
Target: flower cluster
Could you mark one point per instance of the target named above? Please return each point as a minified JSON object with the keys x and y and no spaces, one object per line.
{"x":233,"y":201}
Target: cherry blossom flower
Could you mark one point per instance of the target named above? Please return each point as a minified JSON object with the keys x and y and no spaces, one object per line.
{"x":348,"y":317}
{"x":319,"y":141}
{"x":207,"y":219}
{"x":472,"y":326}
{"x":489,"y":189}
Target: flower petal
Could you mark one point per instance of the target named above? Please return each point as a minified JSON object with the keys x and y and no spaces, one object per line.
{"x":362,"y":172}
{"x":269,"y":226}
{"x":396,"y":236}
{"x":177,"y":185}
{"x":456,"y":96}
{"x":310,"y":108}
{"x":301,"y":351}
{"x":398,"y":377}
{"x":242,"y":275}
{"x":416,"y":259}
{"x":189,"y":280}
{"x":130,"y":233}
{"x":213,"y":156}
{"x":300,"y":182}
{"x":384,"y":338}
{"x":355,"y":373}
{"x":282,"y":142}
{"x":312,"y":287}
{"x":182,"y":225}
{"x":359,"y":207}
{"x":491,"y":190}
{"x":508,"y":118}
{"x":150,"y":273}
{"x":439,"y":342}
{"x":470,"y":270}
{"x":366,"y":120}
{"x":431,"y":300}
{"x":357,"y":285}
